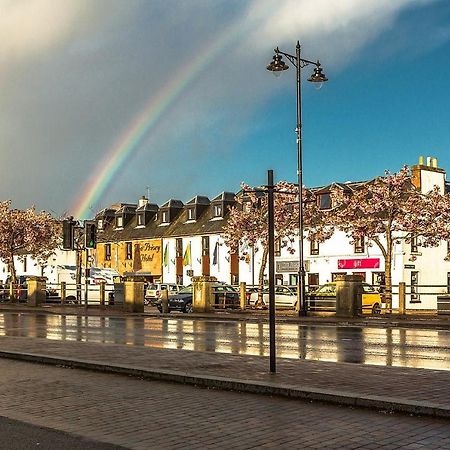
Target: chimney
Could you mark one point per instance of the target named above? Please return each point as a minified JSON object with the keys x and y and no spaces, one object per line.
{"x":143,"y":201}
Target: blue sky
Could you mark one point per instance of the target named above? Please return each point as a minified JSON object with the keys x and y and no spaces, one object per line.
{"x":74,"y":75}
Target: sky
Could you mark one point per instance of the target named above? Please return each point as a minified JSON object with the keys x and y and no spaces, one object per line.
{"x":108,"y":100}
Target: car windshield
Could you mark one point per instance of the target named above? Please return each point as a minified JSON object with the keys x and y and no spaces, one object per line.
{"x":326,"y":289}
{"x":186,"y":290}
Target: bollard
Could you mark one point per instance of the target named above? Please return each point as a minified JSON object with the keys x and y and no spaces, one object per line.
{"x":243,"y":294}
{"x":63,"y":292}
{"x":402,"y":297}
{"x":165,"y":301}
{"x":102,"y":293}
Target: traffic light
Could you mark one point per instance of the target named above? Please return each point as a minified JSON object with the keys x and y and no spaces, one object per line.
{"x":68,"y":230}
{"x":90,"y":231}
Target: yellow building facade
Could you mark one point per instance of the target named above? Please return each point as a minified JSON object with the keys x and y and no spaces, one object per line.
{"x":138,"y":257}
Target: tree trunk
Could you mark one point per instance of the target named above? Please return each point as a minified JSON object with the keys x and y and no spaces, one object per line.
{"x":259,"y":302}
{"x":13,"y":279}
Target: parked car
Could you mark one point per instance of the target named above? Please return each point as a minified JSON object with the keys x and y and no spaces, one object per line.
{"x":153,"y":291}
{"x":285,"y":297}
{"x":324,"y":298}
{"x":225,"y":296}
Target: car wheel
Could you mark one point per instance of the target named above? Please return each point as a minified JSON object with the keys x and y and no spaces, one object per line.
{"x":188,"y":308}
{"x":376,"y":309}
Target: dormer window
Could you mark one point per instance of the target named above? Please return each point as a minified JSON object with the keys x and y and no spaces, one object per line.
{"x":100,"y":224}
{"x":191,"y":214}
{"x":140,"y":220}
{"x":217,"y":210}
{"x":119,"y":222}
{"x":324,"y":201}
{"x":165,"y":217}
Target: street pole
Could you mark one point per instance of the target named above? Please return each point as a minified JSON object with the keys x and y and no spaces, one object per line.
{"x":301,"y":304}
{"x":86,"y":285}
{"x":277,"y":65}
{"x":271,"y":232}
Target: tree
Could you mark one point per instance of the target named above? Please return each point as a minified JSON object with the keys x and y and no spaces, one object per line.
{"x":387,"y":210}
{"x":247,"y":222}
{"x":26,"y":232}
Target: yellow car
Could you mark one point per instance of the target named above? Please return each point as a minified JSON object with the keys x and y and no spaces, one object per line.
{"x":324,"y":298}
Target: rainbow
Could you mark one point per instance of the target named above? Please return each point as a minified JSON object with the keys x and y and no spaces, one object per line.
{"x":103,"y":175}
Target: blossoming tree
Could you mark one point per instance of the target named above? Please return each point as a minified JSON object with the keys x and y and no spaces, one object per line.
{"x":26,"y":232}
{"x":247,"y":225}
{"x":389,"y":209}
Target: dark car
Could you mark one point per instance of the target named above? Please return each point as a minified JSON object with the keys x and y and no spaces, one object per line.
{"x":225,"y":296}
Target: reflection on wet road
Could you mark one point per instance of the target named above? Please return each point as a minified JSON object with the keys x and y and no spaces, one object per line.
{"x":382,"y":346}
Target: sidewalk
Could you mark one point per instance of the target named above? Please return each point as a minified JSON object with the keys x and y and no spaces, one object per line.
{"x":414,"y":391}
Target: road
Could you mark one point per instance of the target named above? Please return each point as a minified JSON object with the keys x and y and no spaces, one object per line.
{"x":414,"y":347}
{"x":154,"y":415}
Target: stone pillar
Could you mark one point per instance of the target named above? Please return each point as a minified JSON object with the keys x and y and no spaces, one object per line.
{"x":402,"y":298}
{"x":348,"y":295}
{"x":36,"y":290}
{"x":243,"y":295}
{"x":202,"y":293}
{"x":133,"y":296}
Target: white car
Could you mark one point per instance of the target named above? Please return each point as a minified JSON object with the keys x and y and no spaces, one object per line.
{"x":285,"y":297}
{"x":153,"y":291}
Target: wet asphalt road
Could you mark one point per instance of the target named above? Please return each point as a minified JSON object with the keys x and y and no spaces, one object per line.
{"x":381,"y":346}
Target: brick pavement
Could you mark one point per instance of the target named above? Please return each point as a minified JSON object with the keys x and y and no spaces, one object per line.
{"x":141,"y":414}
{"x":420,"y":391}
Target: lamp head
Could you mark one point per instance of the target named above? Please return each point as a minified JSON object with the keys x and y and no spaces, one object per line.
{"x":317,"y":76}
{"x":277,"y":65}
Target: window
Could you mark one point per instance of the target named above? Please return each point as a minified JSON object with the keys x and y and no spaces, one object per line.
{"x":100,"y":224}
{"x":358,"y":245}
{"x":25,"y":264}
{"x":191,"y":214}
{"x":277,"y":248}
{"x":247,"y":206}
{"x":140,"y":219}
{"x":179,"y":248}
{"x":119,"y":222}
{"x":414,"y":284}
{"x":448,"y":282}
{"x":107,"y":252}
{"x":129,"y":250}
{"x":324,"y":201}
{"x":313,"y":247}
{"x":165,"y":217}
{"x":205,"y":245}
{"x":217,"y":210}
{"x":414,"y":244}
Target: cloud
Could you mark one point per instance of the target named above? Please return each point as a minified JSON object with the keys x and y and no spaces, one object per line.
{"x":76,"y":74}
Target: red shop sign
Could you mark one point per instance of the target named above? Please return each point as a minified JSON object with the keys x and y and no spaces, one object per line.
{"x":366,"y":263}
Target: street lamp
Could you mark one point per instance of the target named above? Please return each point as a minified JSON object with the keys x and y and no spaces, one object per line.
{"x":277,"y":65}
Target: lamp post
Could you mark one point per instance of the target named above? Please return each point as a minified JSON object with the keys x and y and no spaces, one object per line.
{"x":277,"y":65}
